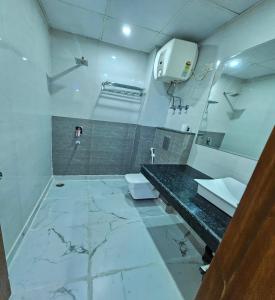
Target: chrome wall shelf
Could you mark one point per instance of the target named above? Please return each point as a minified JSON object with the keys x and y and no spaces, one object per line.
{"x":118,"y":89}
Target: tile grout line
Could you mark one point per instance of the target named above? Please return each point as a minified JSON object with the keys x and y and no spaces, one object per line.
{"x":90,"y":281}
{"x":89,"y":288}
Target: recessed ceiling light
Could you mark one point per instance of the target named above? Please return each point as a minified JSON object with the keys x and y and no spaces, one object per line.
{"x":24,"y":58}
{"x":114,"y":57}
{"x":126,"y":29}
{"x":234,"y":63}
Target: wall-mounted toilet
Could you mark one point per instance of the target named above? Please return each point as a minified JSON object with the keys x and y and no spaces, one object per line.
{"x":140,"y":188}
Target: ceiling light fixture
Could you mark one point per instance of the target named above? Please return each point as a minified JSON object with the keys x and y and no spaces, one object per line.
{"x":24,"y":58}
{"x":114,"y":57}
{"x":126,"y":29}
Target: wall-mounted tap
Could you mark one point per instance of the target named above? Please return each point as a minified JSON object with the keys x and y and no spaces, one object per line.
{"x":173,"y":105}
{"x":153,"y":154}
{"x":78,"y":132}
{"x":181,"y":107}
{"x":173,"y":98}
{"x":208,"y":141}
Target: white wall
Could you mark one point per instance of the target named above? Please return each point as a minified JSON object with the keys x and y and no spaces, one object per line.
{"x":25,"y":119}
{"x":156,"y":100}
{"x":254,"y":27}
{"x":249,"y":133}
{"x":218,"y":164}
{"x":216,"y":117}
{"x":76,"y":94}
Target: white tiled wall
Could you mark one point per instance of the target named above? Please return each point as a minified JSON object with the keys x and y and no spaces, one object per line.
{"x":76,"y":94}
{"x":156,"y":101}
{"x":219,"y":164}
{"x":25,"y":135}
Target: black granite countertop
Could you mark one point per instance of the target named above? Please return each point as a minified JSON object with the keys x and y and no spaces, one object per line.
{"x":177,"y":131}
{"x":176,"y":183}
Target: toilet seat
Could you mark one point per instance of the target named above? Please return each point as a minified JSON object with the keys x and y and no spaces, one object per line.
{"x":140,"y":187}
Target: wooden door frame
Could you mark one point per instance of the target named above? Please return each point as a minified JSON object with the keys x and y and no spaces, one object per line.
{"x":244,"y":265}
{"x":5,"y":290}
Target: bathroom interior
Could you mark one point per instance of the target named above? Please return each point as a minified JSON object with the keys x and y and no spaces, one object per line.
{"x":137,"y":149}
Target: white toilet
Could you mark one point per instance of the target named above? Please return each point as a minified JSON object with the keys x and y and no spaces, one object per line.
{"x":140,"y":187}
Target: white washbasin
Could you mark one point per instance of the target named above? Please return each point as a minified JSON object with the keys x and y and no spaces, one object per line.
{"x":225,"y":193}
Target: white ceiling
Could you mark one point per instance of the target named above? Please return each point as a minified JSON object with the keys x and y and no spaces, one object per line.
{"x":153,"y":22}
{"x":255,"y":62}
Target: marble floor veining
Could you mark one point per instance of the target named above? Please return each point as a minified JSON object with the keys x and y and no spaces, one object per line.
{"x":91,"y":241}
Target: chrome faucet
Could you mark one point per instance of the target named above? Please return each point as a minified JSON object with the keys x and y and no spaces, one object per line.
{"x":208,"y":141}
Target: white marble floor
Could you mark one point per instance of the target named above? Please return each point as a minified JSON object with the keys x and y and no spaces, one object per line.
{"x":90,"y":240}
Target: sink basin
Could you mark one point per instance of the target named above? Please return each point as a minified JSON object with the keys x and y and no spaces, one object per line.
{"x":225,"y":193}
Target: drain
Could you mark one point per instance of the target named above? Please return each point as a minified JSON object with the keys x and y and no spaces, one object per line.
{"x":60,"y":184}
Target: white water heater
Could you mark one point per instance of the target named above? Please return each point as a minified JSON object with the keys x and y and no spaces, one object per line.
{"x":175,"y":61}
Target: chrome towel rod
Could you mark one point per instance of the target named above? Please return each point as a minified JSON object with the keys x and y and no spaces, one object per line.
{"x":122,"y":89}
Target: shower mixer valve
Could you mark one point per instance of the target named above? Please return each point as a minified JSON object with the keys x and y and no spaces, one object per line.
{"x":153,"y":154}
{"x":78,"y":131}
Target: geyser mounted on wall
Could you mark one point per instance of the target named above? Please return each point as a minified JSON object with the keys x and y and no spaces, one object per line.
{"x":175,"y":61}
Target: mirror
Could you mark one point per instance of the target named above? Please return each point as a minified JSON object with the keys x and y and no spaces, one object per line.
{"x":240,"y":111}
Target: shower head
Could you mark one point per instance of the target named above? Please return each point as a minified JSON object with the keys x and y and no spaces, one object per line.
{"x":208,"y":103}
{"x":81,"y":61}
{"x":235,"y":113}
{"x":231,"y":94}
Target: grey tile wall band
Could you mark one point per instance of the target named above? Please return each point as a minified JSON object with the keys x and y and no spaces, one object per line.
{"x":211,"y":139}
{"x":177,"y":131}
{"x":108,"y":148}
